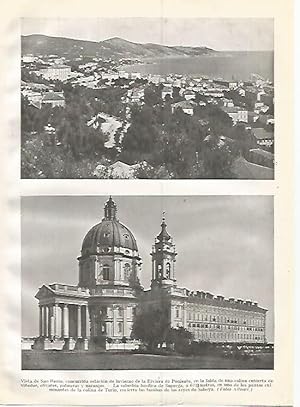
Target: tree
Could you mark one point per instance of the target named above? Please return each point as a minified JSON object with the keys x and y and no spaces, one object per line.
{"x":152,"y":97}
{"x":151,"y":326}
{"x":40,"y":159}
{"x":146,"y":171}
{"x":217,"y":159}
{"x":180,"y":338}
{"x":244,"y":140}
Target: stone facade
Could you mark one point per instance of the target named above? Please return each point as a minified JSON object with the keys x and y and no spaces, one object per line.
{"x":99,"y":312}
{"x":209,"y":317}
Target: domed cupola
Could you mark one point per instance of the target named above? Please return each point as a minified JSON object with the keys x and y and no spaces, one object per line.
{"x":109,"y":253}
{"x":109,"y":234}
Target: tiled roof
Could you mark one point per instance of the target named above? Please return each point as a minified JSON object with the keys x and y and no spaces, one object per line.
{"x":184,"y":105}
{"x":52,"y":96}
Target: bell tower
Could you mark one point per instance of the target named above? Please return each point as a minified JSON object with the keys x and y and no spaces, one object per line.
{"x":163,"y":258}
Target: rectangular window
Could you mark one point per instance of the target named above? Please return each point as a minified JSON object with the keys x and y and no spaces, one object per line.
{"x":105,"y":273}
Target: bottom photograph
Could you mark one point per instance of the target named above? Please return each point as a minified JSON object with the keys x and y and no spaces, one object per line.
{"x":147,"y":282}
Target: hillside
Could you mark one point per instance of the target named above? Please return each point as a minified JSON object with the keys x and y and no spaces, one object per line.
{"x":111,"y":48}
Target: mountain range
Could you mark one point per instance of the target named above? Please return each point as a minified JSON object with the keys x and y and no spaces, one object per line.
{"x":114,"y":48}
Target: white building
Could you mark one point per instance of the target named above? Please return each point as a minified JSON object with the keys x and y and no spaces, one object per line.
{"x":186,"y":106}
{"x":135,"y":75}
{"x":167,"y":90}
{"x":56,"y":72}
{"x":27,"y":59}
{"x":189,"y":95}
{"x":237,"y":114}
{"x":263,"y":137}
{"x":135,"y":95}
{"x":53,"y":99}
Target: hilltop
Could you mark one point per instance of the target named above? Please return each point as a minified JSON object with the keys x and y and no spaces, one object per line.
{"x":111,"y":48}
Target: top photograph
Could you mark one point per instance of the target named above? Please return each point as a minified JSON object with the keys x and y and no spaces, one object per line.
{"x":147,"y":98}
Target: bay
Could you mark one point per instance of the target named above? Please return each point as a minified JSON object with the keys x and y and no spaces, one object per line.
{"x":234,"y":65}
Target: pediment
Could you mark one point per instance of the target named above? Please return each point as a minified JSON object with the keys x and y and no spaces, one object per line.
{"x":44,"y":292}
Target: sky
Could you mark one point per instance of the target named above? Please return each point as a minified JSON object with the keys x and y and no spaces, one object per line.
{"x":224,"y":243}
{"x":239,"y":34}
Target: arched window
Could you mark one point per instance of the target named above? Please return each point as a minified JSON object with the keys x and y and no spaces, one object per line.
{"x":159,"y":271}
{"x":168,"y":270}
{"x":120,"y":327}
{"x":105,"y":272}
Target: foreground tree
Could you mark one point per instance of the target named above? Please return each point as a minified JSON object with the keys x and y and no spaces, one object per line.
{"x":180,"y":339}
{"x":217,"y":159}
{"x":151,"y":326}
{"x":40,"y":159}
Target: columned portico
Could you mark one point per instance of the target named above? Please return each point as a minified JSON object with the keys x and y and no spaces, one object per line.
{"x":63,"y":318}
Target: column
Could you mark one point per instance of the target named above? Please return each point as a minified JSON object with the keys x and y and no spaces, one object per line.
{"x":65,"y":321}
{"x":55,"y":316}
{"x":79,"y":321}
{"x":62,"y":321}
{"x":49,"y":320}
{"x":87,"y":322}
{"x":52,"y":322}
{"x":125,"y":324}
{"x":40,"y":320}
{"x":46,"y":320}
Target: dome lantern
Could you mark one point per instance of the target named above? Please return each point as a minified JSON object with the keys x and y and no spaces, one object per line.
{"x":110,"y":209}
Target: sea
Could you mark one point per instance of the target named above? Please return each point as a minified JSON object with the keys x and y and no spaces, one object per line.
{"x":233,"y":65}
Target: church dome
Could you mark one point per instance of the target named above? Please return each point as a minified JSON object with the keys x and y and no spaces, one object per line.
{"x":108,"y":233}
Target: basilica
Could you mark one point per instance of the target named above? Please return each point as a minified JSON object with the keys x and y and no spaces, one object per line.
{"x":99,"y":311}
